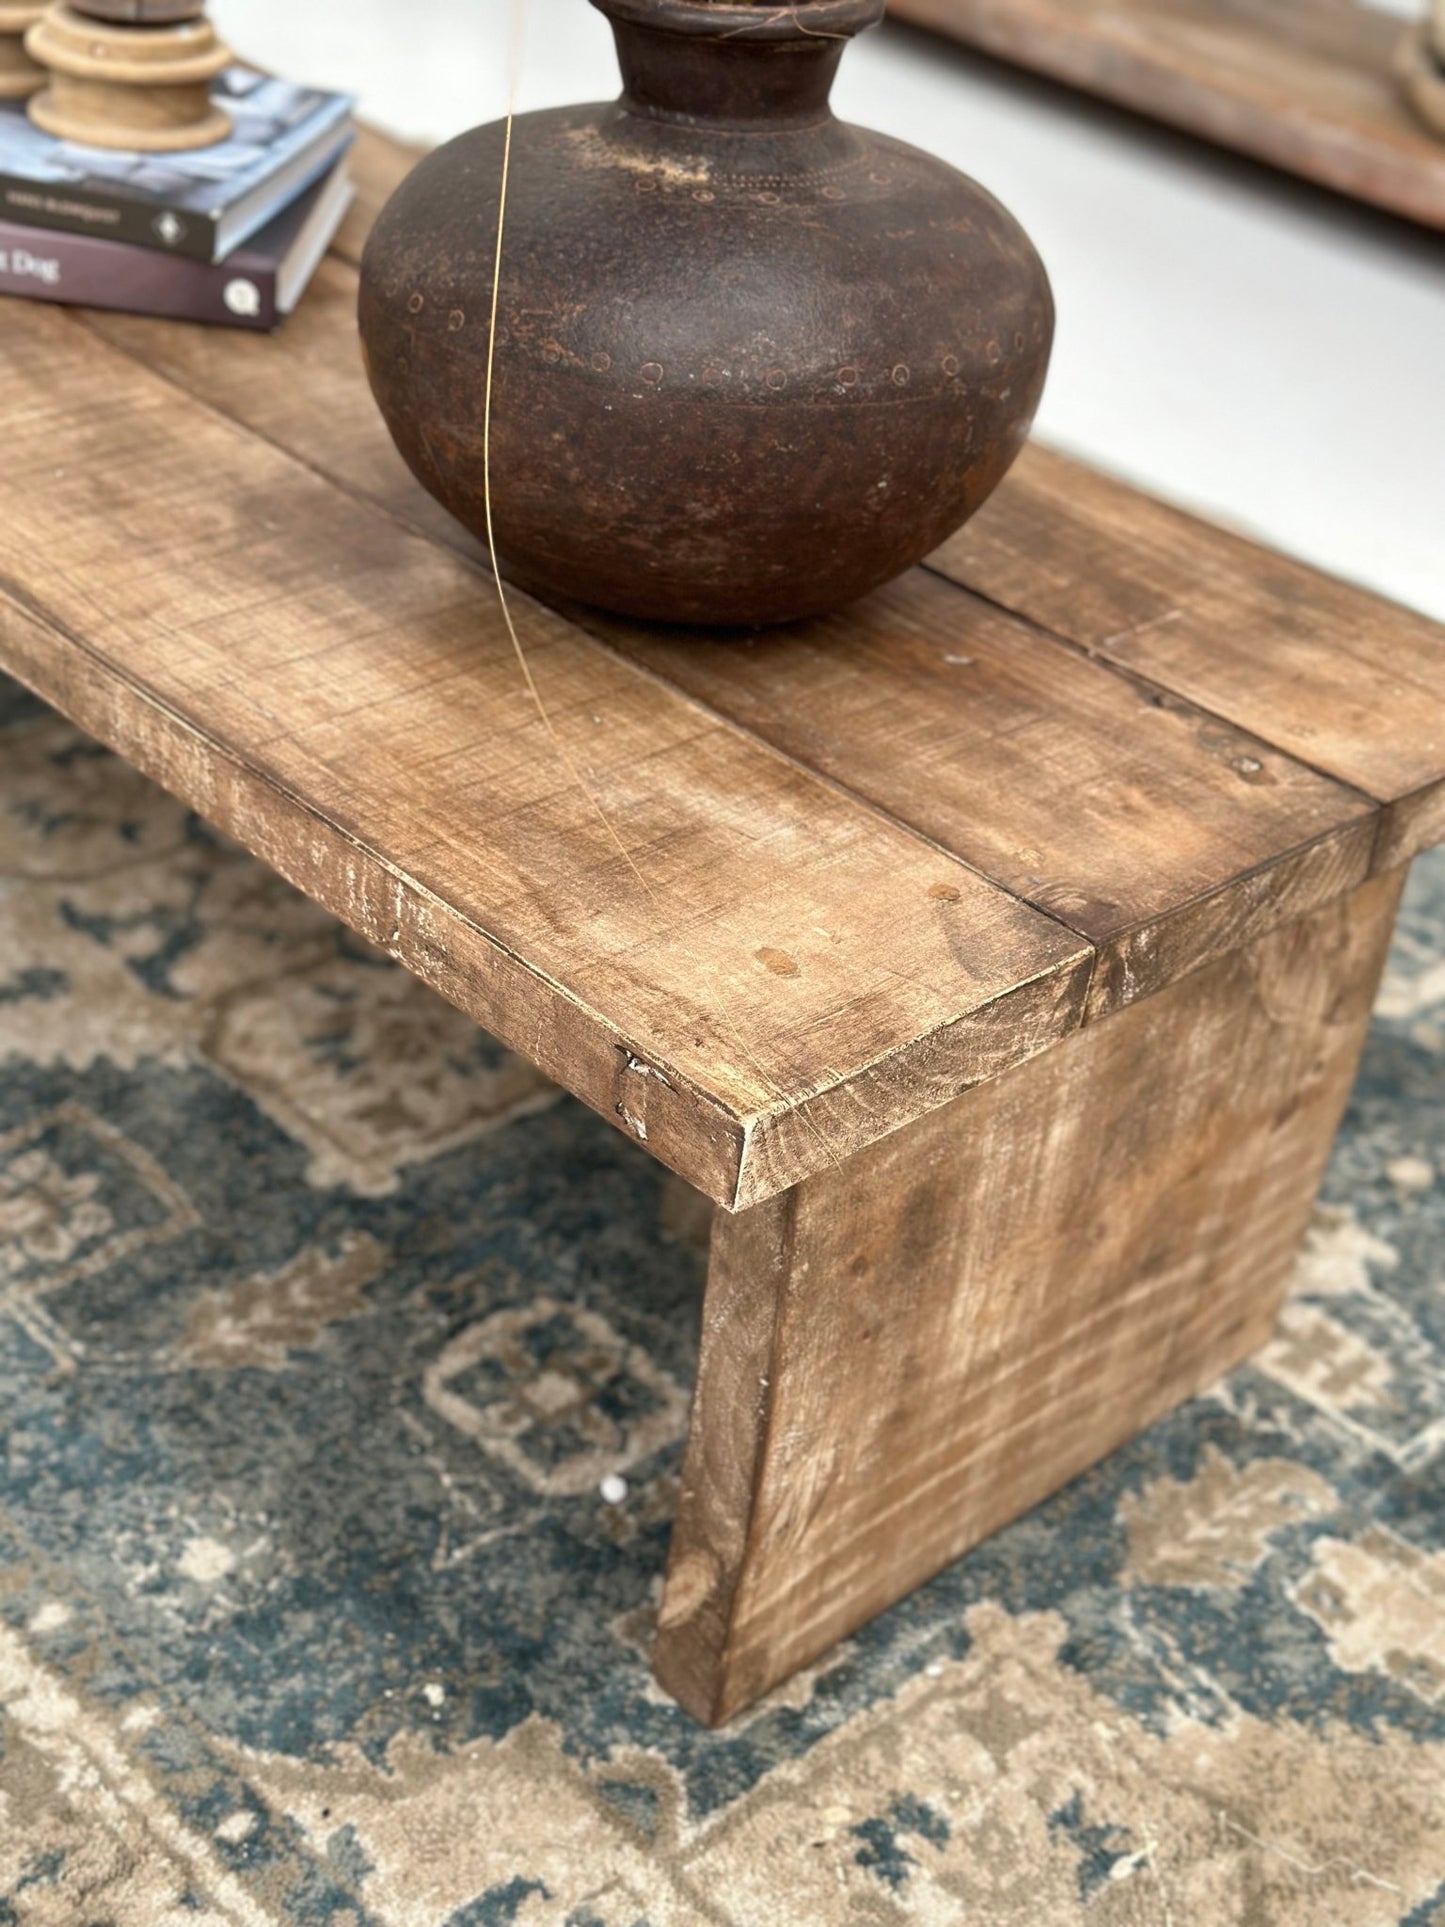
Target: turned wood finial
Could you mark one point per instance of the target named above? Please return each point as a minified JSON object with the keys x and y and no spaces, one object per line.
{"x":1422,"y":67}
{"x":20,"y":76}
{"x":129,"y":74}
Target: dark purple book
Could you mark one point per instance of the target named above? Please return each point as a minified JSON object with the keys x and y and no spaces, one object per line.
{"x":256,"y":287}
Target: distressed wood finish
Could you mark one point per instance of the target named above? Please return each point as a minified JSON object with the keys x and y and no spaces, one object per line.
{"x":142,"y":87}
{"x":1144,"y":823}
{"x":1305,"y":85}
{"x":994,"y":954}
{"x":20,"y":76}
{"x":1150,"y":828}
{"x":900,"y":1357}
{"x":1326,"y":672}
{"x":342,"y":697}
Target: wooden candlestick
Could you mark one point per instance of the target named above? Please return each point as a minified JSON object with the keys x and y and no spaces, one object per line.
{"x":146,"y":87}
{"x":20,"y":76}
{"x":1422,"y":67}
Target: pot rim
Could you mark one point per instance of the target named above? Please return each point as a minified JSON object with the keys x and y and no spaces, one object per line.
{"x":751,"y":20}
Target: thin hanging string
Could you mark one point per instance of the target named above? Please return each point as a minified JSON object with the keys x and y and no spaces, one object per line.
{"x":514,"y":62}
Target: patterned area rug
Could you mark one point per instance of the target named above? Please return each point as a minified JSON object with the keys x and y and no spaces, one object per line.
{"x":322,"y":1320}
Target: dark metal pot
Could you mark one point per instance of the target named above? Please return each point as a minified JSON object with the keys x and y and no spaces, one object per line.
{"x":751,"y":361}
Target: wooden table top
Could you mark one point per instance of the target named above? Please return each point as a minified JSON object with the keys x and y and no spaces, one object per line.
{"x":868,"y":861}
{"x":1305,"y":85}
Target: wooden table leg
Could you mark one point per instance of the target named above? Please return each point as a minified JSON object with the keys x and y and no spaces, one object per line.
{"x":902,"y":1354}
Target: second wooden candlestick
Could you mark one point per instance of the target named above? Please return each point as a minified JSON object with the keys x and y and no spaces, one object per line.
{"x":20,"y":76}
{"x":128,"y":86}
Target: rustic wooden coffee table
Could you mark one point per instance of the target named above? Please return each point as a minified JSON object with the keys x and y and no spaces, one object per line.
{"x":1306,"y":85}
{"x":1005,"y":948}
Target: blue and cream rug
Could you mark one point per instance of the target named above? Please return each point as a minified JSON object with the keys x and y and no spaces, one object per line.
{"x":323,"y":1319}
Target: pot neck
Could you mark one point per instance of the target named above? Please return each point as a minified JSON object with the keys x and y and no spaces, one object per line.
{"x":742,"y":64}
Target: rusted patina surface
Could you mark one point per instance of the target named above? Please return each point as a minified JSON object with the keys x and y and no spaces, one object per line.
{"x":751,"y":361}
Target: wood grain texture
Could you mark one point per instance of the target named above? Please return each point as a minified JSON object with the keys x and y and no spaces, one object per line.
{"x":998,"y":960}
{"x":1160,"y":833}
{"x":1149,"y":827}
{"x":1330,"y":674}
{"x":329,"y":637}
{"x":901,"y":1356}
{"x":378,"y":166}
{"x":340,"y":695}
{"x":1305,"y":85}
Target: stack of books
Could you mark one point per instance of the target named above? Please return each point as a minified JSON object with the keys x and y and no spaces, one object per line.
{"x":228,"y":234}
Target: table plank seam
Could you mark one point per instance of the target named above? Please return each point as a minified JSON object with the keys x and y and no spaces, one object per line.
{"x":1111,"y":513}
{"x":829,"y":781}
{"x":461,"y":547}
{"x":1369,"y":809}
{"x":464,"y":550}
{"x":189,"y":742}
{"x":1150,"y":685}
{"x":953,"y":1041}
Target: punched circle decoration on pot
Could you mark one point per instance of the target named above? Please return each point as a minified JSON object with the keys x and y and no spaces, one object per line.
{"x":750,"y":362}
